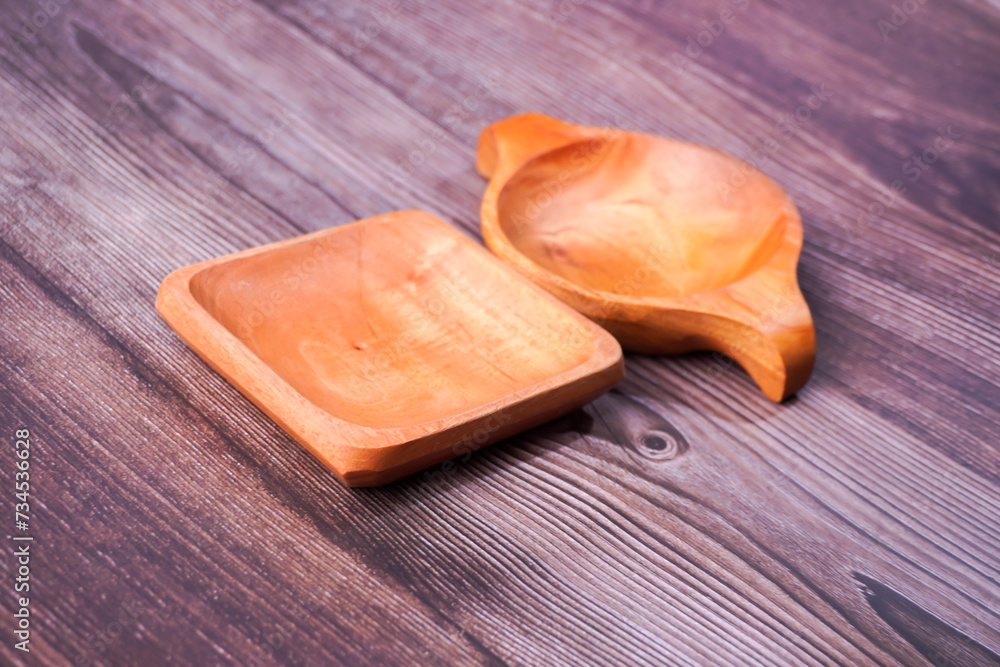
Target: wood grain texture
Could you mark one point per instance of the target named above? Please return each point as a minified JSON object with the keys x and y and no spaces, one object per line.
{"x":682,"y":519}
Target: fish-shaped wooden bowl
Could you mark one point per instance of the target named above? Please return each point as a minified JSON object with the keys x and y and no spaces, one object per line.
{"x":671,"y":246}
{"x":389,"y":345}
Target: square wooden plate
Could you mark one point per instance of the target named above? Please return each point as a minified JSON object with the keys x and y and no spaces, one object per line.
{"x":390,"y":344}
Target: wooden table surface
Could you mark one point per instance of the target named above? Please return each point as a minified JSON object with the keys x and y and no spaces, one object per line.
{"x":682,"y":519}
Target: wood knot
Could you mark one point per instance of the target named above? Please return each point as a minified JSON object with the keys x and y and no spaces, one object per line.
{"x":661,"y":445}
{"x":624,"y":420}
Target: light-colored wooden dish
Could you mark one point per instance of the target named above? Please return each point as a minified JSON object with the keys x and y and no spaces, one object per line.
{"x":671,"y":246}
{"x":389,"y":345}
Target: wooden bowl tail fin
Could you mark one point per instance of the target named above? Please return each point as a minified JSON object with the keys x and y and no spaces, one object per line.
{"x":776,"y":346}
{"x":511,"y":142}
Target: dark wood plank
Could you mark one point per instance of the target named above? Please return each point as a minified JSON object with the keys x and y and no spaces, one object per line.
{"x":681,"y":519}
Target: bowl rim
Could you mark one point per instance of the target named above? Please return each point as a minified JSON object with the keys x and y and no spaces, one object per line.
{"x":341,"y":444}
{"x":781,"y":265}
